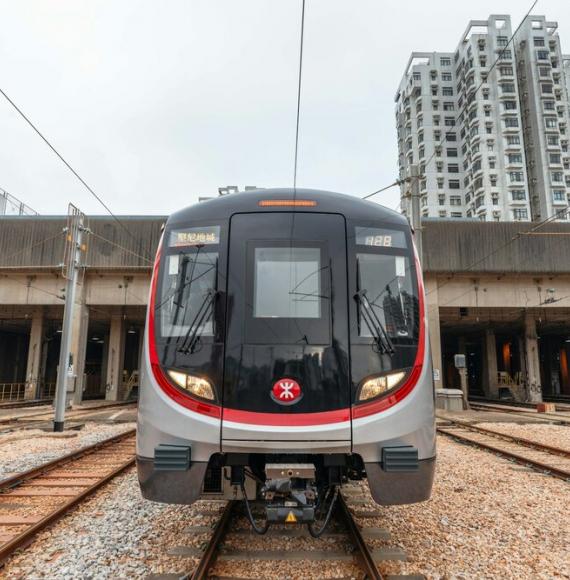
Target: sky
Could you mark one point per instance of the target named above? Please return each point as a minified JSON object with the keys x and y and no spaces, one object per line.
{"x":157,"y":103}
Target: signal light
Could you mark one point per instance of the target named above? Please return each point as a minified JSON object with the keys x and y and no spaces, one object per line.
{"x":287,"y":203}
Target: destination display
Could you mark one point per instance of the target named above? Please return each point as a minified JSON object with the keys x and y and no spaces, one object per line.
{"x":199,"y":236}
{"x":380,"y":238}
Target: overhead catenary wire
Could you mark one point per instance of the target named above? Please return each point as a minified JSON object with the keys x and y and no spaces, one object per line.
{"x":299,"y":94}
{"x":467,"y":103}
{"x":65,"y":162}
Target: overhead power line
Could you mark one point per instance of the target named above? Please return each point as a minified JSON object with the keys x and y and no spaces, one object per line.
{"x":467,"y":102}
{"x":299,"y":94}
{"x":63,"y":160}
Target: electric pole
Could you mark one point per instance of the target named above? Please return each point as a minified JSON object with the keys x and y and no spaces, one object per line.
{"x":415,"y":206}
{"x":71,"y":264}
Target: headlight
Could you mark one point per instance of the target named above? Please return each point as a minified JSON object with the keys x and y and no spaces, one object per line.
{"x":374,"y":387}
{"x":195,"y":385}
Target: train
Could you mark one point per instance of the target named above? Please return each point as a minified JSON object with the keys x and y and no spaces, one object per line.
{"x":286,"y":353}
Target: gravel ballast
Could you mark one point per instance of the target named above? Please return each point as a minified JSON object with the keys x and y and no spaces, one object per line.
{"x":488,"y":518}
{"x":23,"y":450}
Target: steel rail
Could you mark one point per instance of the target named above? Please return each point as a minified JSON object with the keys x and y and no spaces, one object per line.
{"x":514,"y":439}
{"x":521,"y":412}
{"x":522,"y":459}
{"x":209,"y":555}
{"x":26,"y":536}
{"x":364,"y":554}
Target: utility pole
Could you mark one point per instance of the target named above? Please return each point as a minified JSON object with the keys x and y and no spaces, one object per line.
{"x":71,"y":264}
{"x":415,"y":205}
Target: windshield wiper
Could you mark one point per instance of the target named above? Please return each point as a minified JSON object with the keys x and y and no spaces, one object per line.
{"x":204,"y":311}
{"x":374,"y":324}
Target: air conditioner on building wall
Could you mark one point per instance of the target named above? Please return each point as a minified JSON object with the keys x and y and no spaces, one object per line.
{"x":496,"y":212}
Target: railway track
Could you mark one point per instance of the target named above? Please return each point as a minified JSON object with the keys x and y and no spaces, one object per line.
{"x":562,"y":418}
{"x":288,"y":551}
{"x":39,"y":418}
{"x":32,"y":500}
{"x":553,"y":460}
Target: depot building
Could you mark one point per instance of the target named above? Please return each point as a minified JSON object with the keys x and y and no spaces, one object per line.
{"x":498,"y":293}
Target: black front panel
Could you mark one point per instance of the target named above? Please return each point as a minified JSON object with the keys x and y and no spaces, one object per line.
{"x":382,"y":265}
{"x":287,"y":312}
{"x":192,"y":269}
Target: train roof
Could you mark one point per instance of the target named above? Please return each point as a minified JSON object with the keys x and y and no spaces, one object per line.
{"x":225,"y":206}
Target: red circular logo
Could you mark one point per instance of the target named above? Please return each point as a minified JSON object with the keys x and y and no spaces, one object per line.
{"x":286,"y":391}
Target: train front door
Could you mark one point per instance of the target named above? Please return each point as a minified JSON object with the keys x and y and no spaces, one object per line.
{"x":286,"y":368}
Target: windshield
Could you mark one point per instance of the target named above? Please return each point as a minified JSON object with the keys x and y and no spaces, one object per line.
{"x":188,"y":279}
{"x":287,"y":282}
{"x":387,"y":281}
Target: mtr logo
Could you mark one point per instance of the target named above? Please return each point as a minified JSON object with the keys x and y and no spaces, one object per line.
{"x":286,"y":392}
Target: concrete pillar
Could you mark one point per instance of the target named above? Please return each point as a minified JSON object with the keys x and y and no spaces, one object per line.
{"x":78,"y":349}
{"x":490,"y":377}
{"x":432,"y":307}
{"x":115,"y":359}
{"x":34,"y":356}
{"x":532,"y":360}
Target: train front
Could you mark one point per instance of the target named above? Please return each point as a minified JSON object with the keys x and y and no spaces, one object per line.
{"x":286,"y":351}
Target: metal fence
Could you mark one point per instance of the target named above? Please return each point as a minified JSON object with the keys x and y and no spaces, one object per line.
{"x":46,"y":391}
{"x":10,"y":205}
{"x":12,"y":391}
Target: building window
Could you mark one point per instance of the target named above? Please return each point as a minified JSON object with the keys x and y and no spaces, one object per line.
{"x":514,"y":140}
{"x":479,"y":201}
{"x":492,"y":164}
{"x":476,"y":165}
{"x":557,"y":176}
{"x":442,"y":214}
{"x":538,"y":41}
{"x":520,"y":214}
{"x":421,"y":152}
{"x":558,"y":195}
{"x":447,"y":91}
{"x":518,"y":195}
{"x":516,"y":176}
{"x":441,"y":200}
{"x":548,"y":105}
{"x":439,"y":166}
{"x":454,"y":184}
{"x":453,"y":168}
{"x":506,"y":71}
{"x":542,"y":55}
{"x":452,"y":152}
{"x":440,"y":183}
{"x":551,"y":122}
{"x":446,"y":77}
{"x":510,"y":105}
{"x":514,"y":158}
{"x":511,"y":122}
{"x":449,"y":121}
{"x":445,"y":61}
{"x":455,"y":200}
{"x":544,"y":71}
{"x":448,"y":106}
{"x":451,"y":137}
{"x":507,"y":87}
{"x":456,"y":214}
{"x":493,"y":179}
{"x":502,"y":41}
{"x":417,"y":76}
{"x":555,"y":158}
{"x":546,"y":88}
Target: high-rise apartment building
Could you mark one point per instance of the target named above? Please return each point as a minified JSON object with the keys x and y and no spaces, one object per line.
{"x":464,"y":119}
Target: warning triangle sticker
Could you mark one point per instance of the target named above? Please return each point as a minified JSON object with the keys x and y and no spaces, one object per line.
{"x":290,"y":519}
